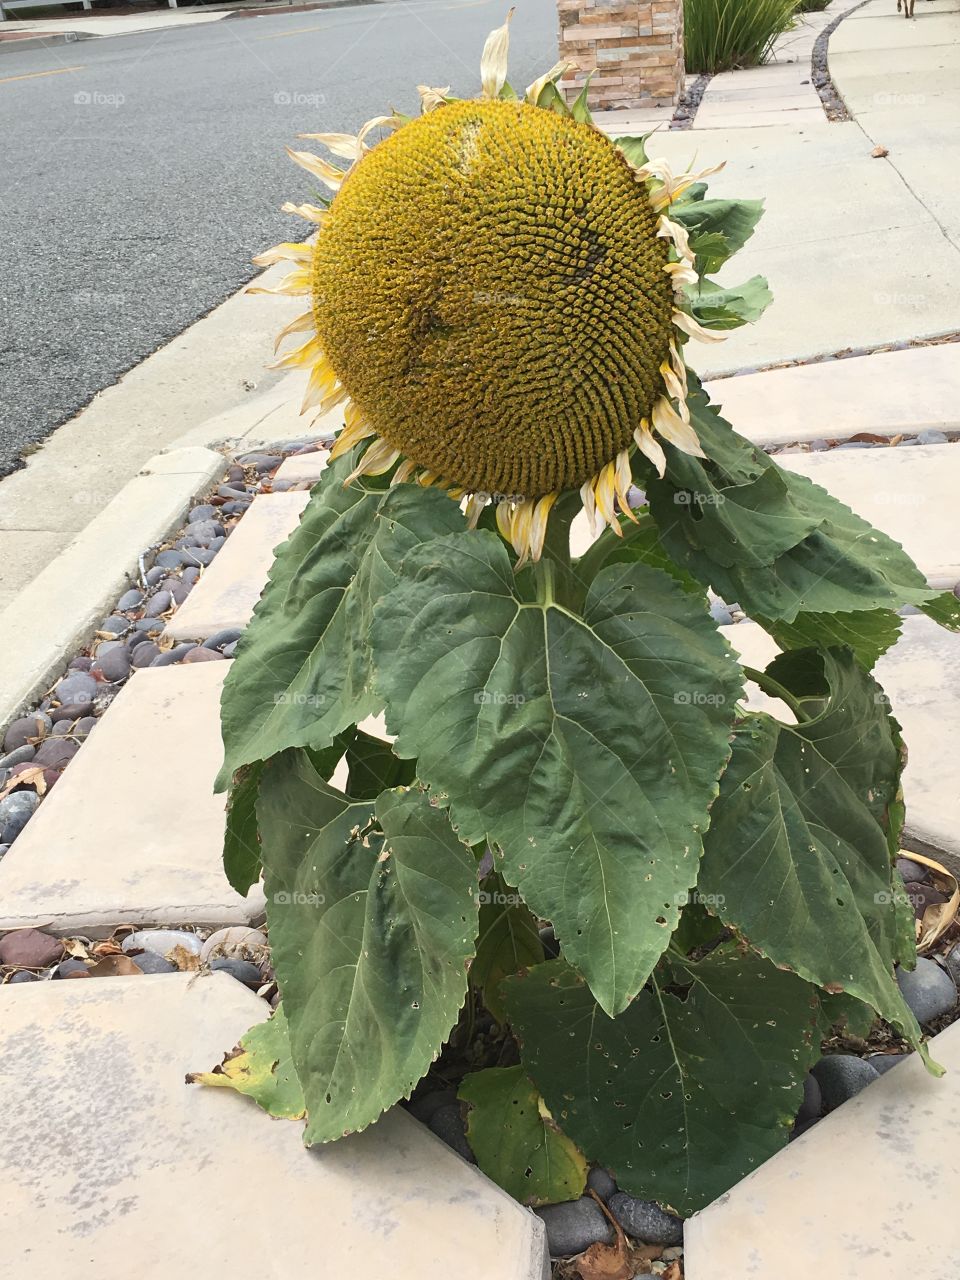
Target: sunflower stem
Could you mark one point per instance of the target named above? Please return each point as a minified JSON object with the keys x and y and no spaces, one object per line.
{"x":774,"y":689}
{"x":544,"y":570}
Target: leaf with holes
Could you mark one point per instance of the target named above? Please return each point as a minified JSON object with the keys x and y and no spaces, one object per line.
{"x":372,"y":909}
{"x":691,"y":1087}
{"x":586,"y":747}
{"x":798,"y":856}
{"x":262,"y":1068}
{"x":516,"y":1141}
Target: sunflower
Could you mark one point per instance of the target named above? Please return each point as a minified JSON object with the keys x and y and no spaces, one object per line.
{"x":499,"y":301}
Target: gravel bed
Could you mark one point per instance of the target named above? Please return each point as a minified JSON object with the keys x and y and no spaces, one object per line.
{"x":833,"y":104}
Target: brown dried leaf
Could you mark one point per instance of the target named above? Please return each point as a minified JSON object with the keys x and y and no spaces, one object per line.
{"x":878,"y":153}
{"x":183,"y":959}
{"x":76,"y":949}
{"x":32,"y":777}
{"x":115,"y":966}
{"x":938,"y":916}
{"x":673,"y":1272}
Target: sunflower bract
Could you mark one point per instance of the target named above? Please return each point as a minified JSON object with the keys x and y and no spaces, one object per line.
{"x":490,"y":290}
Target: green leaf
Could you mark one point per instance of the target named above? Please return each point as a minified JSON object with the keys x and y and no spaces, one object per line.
{"x":944,"y":609}
{"x":508,"y":941}
{"x":261,"y":1068}
{"x":373,"y":915}
{"x":797,"y":856}
{"x":515,"y":1140}
{"x":588,"y":748}
{"x":689,"y":1089}
{"x":718,"y":228}
{"x":241,"y":840}
{"x":302,"y":673}
{"x":579,"y":108}
{"x":869,"y":633}
{"x":852,"y":1016}
{"x":639,"y":543}
{"x":635,"y":149}
{"x":372,"y":767}
{"x":716,"y":307}
{"x":769,"y":539}
{"x":551,"y":99}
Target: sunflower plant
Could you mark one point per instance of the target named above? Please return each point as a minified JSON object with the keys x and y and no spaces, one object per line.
{"x":573,"y":821}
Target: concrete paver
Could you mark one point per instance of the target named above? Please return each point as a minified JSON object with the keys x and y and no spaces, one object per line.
{"x":802,"y":1212}
{"x":888,"y":393}
{"x":227,"y":593}
{"x":106,"y":1154}
{"x":303,"y":466}
{"x":133,"y":833}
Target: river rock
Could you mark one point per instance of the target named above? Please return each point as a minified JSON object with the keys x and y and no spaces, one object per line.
{"x":911,"y":872}
{"x":812,"y":1106}
{"x":163,"y":942}
{"x":16,"y":810}
{"x":238,"y":942}
{"x":147,"y":962}
{"x":928,"y":990}
{"x":645,"y":1220}
{"x":30,"y":949}
{"x":884,"y":1062}
{"x":22,"y":755}
{"x":20,"y":733}
{"x":841,"y":1076}
{"x":242,"y":970}
{"x":114,"y":665}
{"x":56,"y":752}
{"x":602,"y":1182}
{"x":131,"y":599}
{"x":575,"y":1226}
{"x":144,"y":654}
{"x":447,"y":1124}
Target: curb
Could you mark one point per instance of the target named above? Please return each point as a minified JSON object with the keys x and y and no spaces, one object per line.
{"x":79,"y":587}
{"x":43,"y":42}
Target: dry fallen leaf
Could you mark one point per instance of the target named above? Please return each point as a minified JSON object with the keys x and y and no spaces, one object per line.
{"x":617,"y":1261}
{"x":115,"y":967}
{"x":938,"y":916}
{"x":878,"y":153}
{"x":32,"y":777}
{"x":183,"y":959}
{"x":673,"y":1272}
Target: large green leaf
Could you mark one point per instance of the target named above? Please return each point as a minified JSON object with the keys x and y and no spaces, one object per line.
{"x":637,"y":543}
{"x":689,"y":1089}
{"x":771,"y":540}
{"x":373,"y":915}
{"x":372,"y":767}
{"x":302,"y":672}
{"x":508,"y":940}
{"x":241,"y":840}
{"x":868,"y":633}
{"x":516,"y":1141}
{"x":717,"y":228}
{"x":588,"y":748}
{"x":798,"y":853}
{"x":728,"y":306}
{"x":262,"y":1068}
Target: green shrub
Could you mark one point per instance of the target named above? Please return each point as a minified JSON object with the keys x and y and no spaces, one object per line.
{"x":812,"y":6}
{"x":723,"y":34}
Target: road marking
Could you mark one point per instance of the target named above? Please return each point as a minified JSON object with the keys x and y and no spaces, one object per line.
{"x":280,"y":35}
{"x":32,"y":75}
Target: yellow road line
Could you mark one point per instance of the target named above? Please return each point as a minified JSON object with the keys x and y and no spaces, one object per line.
{"x":32,"y":75}
{"x":280,"y":35}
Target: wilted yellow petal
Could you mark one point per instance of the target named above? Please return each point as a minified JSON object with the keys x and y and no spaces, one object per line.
{"x":493,"y":61}
{"x":351,"y":434}
{"x":430,"y":99}
{"x":378,"y":458}
{"x":687,"y":324}
{"x":555,"y":73}
{"x":669,"y":230}
{"x":303,"y":324}
{"x":622,"y":483}
{"x":378,"y":122}
{"x":292,"y":286}
{"x":505,"y":520}
{"x":588,"y":498}
{"x":650,"y":447}
{"x":605,"y":490}
{"x":668,"y":423}
{"x":289,"y":252}
{"x":676,"y":389}
{"x":311,"y":212}
{"x":328,"y":174}
{"x":345,"y":145}
{"x":305,"y":354}
{"x":538,"y":528}
{"x":403,"y":472}
{"x":322,"y":379}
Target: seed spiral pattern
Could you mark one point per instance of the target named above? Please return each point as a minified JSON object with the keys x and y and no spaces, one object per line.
{"x":490,"y":290}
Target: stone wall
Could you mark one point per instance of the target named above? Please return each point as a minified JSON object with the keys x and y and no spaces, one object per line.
{"x":635,"y":48}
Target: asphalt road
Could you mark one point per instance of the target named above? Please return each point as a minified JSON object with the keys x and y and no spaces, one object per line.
{"x":138,"y":180}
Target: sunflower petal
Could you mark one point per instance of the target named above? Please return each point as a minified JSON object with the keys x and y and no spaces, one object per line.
{"x":606,"y":491}
{"x":378,"y":122}
{"x":505,"y":521}
{"x":328,"y":174}
{"x":538,"y":528}
{"x":351,"y":435}
{"x":589,"y":500}
{"x":673,"y":231}
{"x":474,"y":508}
{"x":676,"y":389}
{"x":291,"y":251}
{"x":651,"y":447}
{"x":686,"y":324}
{"x":303,"y":324}
{"x":555,"y":73}
{"x":493,"y":61}
{"x":312,"y":212}
{"x":403,"y":472}
{"x":345,"y":145}
{"x":668,"y":423}
{"x":322,"y":379}
{"x":305,"y":354}
{"x":291,"y":286}
{"x":623,"y":480}
{"x":378,"y":458}
{"x":430,"y":99}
